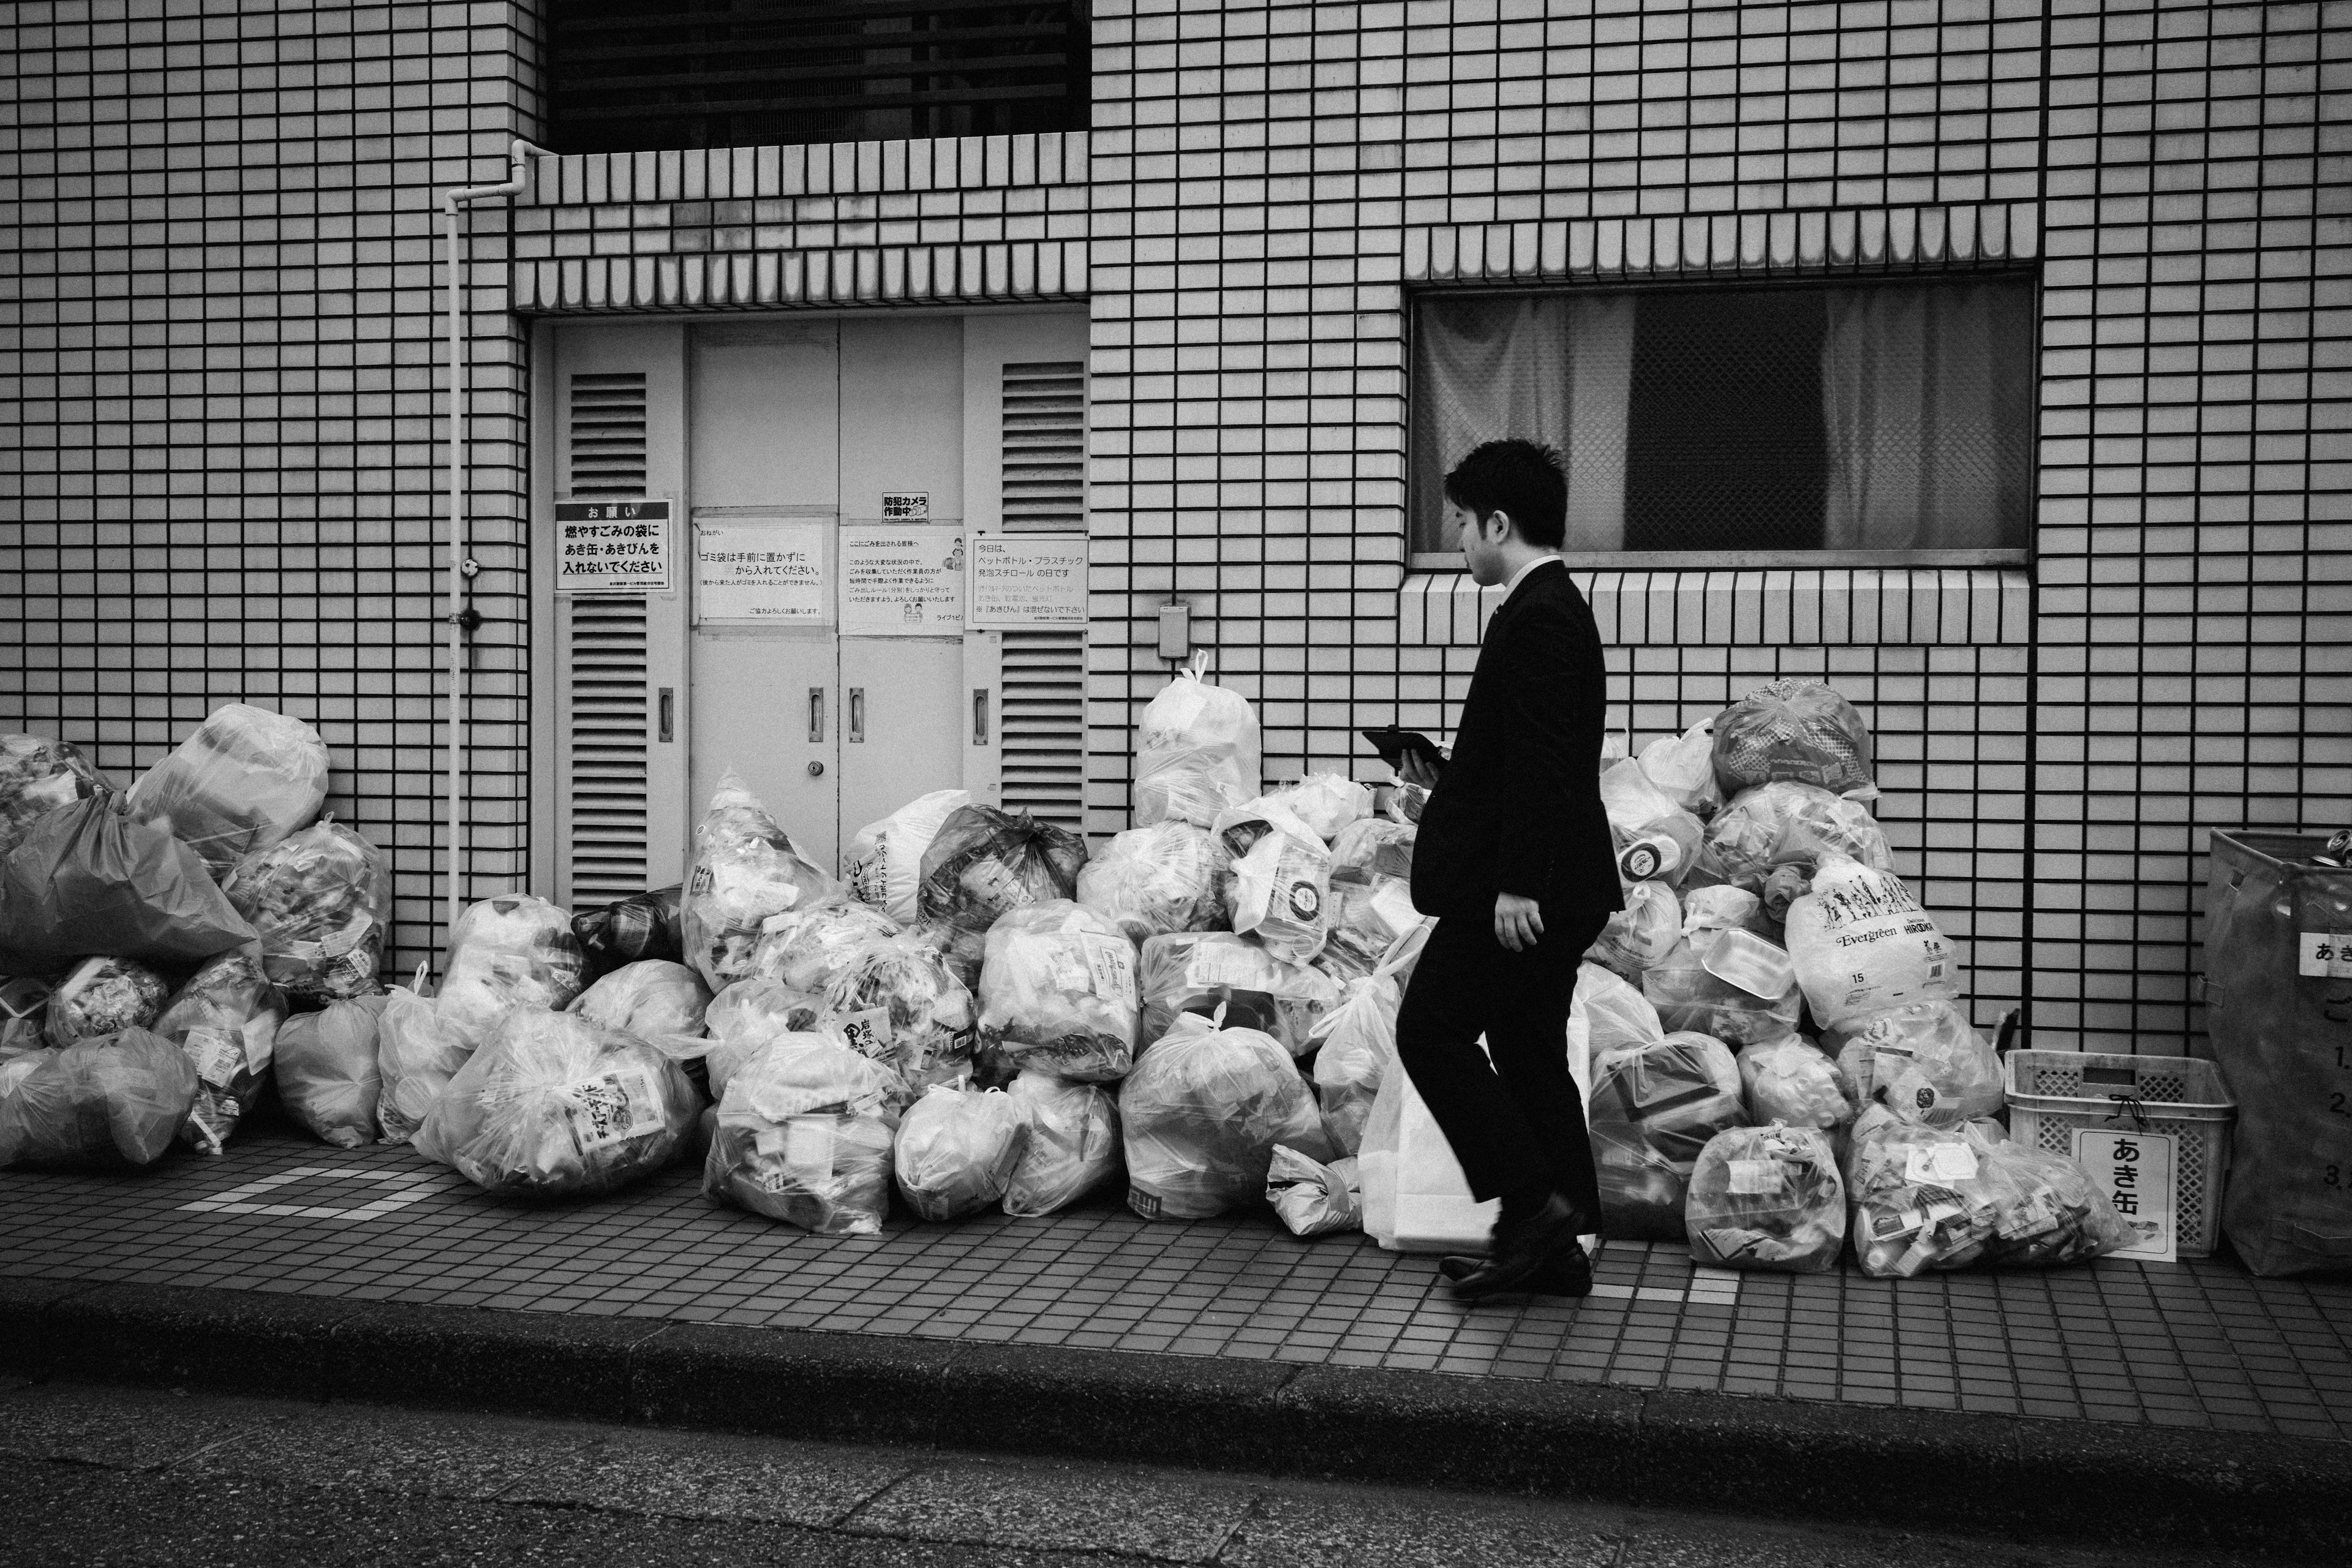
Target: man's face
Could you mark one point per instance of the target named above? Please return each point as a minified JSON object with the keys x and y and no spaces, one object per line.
{"x":1482,"y":547}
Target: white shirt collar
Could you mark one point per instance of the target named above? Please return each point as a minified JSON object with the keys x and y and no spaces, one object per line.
{"x":1520,"y":575}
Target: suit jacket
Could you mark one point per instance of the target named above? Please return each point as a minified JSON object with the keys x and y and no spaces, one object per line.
{"x":1518,"y":808}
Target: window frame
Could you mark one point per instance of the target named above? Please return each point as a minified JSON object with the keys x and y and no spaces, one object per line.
{"x":1738,"y":560}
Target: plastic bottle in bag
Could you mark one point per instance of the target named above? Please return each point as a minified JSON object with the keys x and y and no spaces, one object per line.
{"x":1312,"y":1198}
{"x":1861,"y":944}
{"x":325,"y":1064}
{"x":1653,"y":1109}
{"x":321,"y":902}
{"x":884,"y":864}
{"x":245,"y":780}
{"x":652,"y":997}
{"x":111,"y":1102}
{"x":1202,"y":1112}
{"x":416,"y":1054}
{"x":1925,"y":1062}
{"x":957,"y":1149}
{"x":1200,"y":971}
{"x":555,"y":1107}
{"x":1153,"y":880}
{"x":513,"y":950}
{"x":1058,"y":992}
{"x":1767,"y":1197}
{"x":803,"y":1135}
{"x":226,"y":1019}
{"x":36,"y":776}
{"x":745,"y":869}
{"x":1196,"y":753}
{"x":1073,"y":1145}
{"x":1798,"y":730}
{"x":104,"y":997}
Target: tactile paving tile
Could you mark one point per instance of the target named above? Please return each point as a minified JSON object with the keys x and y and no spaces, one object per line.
{"x":2197,"y":1344}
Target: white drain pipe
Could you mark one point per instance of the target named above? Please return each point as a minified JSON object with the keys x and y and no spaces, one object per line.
{"x":463,"y":618}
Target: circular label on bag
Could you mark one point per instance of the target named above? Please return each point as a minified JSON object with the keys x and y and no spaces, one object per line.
{"x":1306,"y":903}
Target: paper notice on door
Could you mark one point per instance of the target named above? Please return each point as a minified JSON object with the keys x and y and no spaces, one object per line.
{"x":902,"y":580}
{"x":761,"y":572}
{"x":611,"y":547}
{"x":1028,"y":580}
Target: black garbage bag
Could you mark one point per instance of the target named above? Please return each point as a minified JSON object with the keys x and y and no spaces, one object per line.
{"x":111,"y":1103}
{"x":36,"y":776}
{"x":985,"y":861}
{"x":87,"y":880}
{"x":641,"y":926}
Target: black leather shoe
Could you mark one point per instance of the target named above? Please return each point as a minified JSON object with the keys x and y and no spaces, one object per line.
{"x":1566,"y":1273}
{"x":1522,"y":1250}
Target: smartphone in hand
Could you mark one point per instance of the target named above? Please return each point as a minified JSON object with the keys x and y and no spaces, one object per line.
{"x":1413,"y":756}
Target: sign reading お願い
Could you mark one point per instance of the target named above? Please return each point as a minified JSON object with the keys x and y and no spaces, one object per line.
{"x":611,"y":547}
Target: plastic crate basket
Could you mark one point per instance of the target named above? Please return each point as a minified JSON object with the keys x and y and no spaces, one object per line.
{"x":2051,"y":1093}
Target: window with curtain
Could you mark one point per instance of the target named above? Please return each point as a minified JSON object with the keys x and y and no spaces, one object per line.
{"x":1785,"y":420}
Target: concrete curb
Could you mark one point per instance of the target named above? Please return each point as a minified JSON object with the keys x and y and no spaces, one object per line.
{"x":1786,"y":1459}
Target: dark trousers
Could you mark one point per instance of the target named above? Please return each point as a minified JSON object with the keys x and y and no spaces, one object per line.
{"x":1516,"y":1126}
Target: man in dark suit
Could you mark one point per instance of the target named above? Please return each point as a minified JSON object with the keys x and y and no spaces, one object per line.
{"x":1515,"y":859}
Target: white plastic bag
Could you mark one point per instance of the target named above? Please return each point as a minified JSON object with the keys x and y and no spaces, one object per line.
{"x":750,"y":1015}
{"x":514,"y":950}
{"x":1415,"y":1197}
{"x":1280,"y":890}
{"x":1073,"y":1145}
{"x":898,"y":1003}
{"x":322,"y":903}
{"x":1767,"y":1197}
{"x":325,"y":1064}
{"x":957,"y":1150}
{"x":245,"y":780}
{"x":1617,"y":1015}
{"x":884,"y":866}
{"x":416,"y":1055}
{"x":110,"y":1103}
{"x":804,"y":1134}
{"x":1200,"y":971}
{"x":1312,"y":1198}
{"x":1196,"y":753}
{"x":1354,"y":1044}
{"x":1788,"y":827}
{"x":1683,"y":767}
{"x":809,"y":949}
{"x":1639,"y":936}
{"x":745,"y":869}
{"x":1325,"y":802}
{"x":1924,"y":1063}
{"x":1058,"y":992}
{"x":652,"y":997}
{"x":1153,"y":880}
{"x":1202,"y":1112}
{"x":226,"y":1017}
{"x":1862,"y":946}
{"x":554,"y":1106}
{"x":1790,"y":1080}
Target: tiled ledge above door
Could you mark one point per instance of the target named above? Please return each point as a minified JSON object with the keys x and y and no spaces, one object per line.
{"x":1814,"y":606}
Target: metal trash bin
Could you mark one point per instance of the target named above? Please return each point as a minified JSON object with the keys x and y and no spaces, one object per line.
{"x":2278,"y":1004}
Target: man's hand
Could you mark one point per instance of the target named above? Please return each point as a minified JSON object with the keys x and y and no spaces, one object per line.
{"x":1518,"y":922}
{"x":1415,"y":769}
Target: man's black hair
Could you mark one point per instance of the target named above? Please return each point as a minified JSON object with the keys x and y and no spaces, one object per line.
{"x":1518,"y":477}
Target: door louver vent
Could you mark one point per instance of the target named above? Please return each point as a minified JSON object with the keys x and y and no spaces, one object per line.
{"x":1043,"y":751}
{"x":605,"y":751}
{"x":608,"y":434}
{"x":1045,"y":447}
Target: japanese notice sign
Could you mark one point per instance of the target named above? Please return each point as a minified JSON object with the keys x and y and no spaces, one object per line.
{"x":759,"y":571}
{"x":902,"y":580}
{"x":1028,"y":580}
{"x":611,"y":547}
{"x":906,"y":506}
{"x":2136,"y":1170}
{"x":2326,"y":955}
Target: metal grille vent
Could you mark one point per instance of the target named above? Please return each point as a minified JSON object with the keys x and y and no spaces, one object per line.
{"x":1043,"y":751}
{"x":1045,"y":486}
{"x":605,"y":749}
{"x":608,"y":434}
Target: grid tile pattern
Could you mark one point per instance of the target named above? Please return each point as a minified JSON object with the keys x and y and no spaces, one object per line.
{"x":2196,"y":1344}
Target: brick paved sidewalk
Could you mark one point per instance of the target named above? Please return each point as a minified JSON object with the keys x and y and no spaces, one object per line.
{"x":2191,"y":1345}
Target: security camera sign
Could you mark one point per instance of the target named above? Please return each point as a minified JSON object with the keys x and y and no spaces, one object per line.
{"x":611,"y":547}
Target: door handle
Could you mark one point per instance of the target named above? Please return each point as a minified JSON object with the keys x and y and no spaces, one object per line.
{"x":669,"y":731}
{"x":817,"y":714}
{"x":980,"y":715}
{"x":857,"y":715}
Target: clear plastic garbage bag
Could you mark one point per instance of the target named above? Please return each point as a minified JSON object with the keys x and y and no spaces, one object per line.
{"x":1924,"y":1063}
{"x":1798,"y":730}
{"x":1617,"y":1015}
{"x":804,"y":1134}
{"x":1792,"y":1082}
{"x":1653,"y":1109}
{"x":957,"y":1150}
{"x":745,"y":869}
{"x":897,"y":1001}
{"x":1767,"y":1197}
{"x":652,"y":997}
{"x":1196,"y":753}
{"x":87,"y":879}
{"x":104,"y":997}
{"x":325,"y":1064}
{"x":1312,"y":1198}
{"x":631,"y":930}
{"x":1058,"y":992}
{"x":884,"y":864}
{"x":1371,"y":895}
{"x":17,"y":1066}
{"x":1200,"y":971}
{"x":24,"y":1013}
{"x":1354,"y":1044}
{"x":1787,"y":827}
{"x":245,"y":780}
{"x":1153,"y":880}
{"x":1281,"y":891}
{"x":321,"y":902}
{"x":513,"y":950}
{"x":1923,"y":1197}
{"x":226,"y":1017}
{"x":1073,"y":1146}
{"x":1730,"y":984}
{"x":1683,"y":767}
{"x":752,"y":1014}
{"x":36,"y":776}
{"x":416,"y":1054}
{"x":1325,"y":802}
{"x":107,"y":1103}
{"x":556,"y":1107}
{"x":1861,"y":944}
{"x":1202,"y":1112}
{"x":2049,"y":1212}
{"x":807,"y":950}
{"x":1639,"y":936}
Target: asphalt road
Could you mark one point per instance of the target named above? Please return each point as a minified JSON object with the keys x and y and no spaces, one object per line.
{"x":140,"y":1479}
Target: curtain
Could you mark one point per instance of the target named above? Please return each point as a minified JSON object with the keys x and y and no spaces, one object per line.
{"x":1553,"y":368}
{"x":1927,"y":398}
